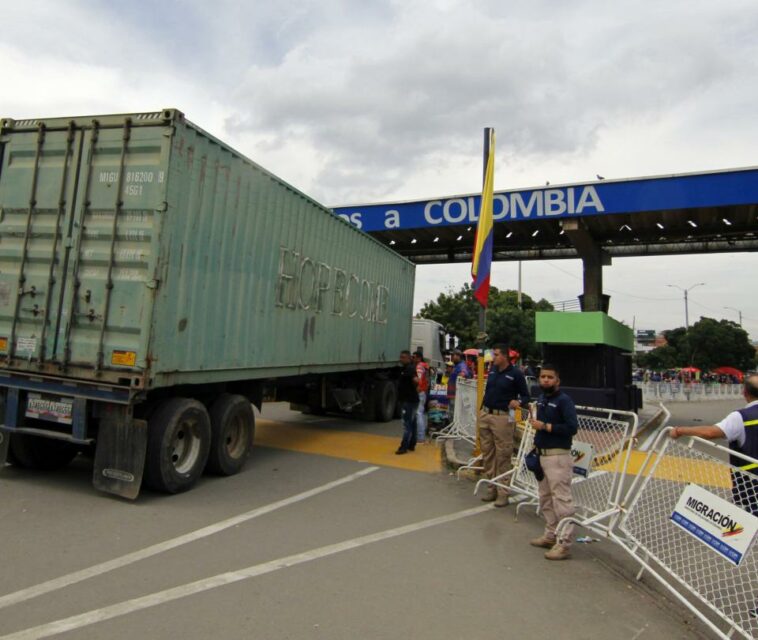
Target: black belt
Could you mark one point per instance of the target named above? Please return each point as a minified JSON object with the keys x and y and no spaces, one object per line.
{"x":496,"y":412}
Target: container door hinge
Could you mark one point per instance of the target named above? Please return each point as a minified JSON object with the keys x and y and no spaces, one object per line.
{"x":152,"y":284}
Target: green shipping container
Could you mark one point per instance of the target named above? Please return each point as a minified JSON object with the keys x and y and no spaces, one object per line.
{"x":153,"y":282}
{"x":138,"y":250}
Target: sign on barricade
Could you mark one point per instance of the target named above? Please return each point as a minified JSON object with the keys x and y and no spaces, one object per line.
{"x":691,"y":520}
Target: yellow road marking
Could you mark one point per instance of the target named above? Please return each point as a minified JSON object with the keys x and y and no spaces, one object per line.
{"x":366,"y":447}
{"x":679,"y":469}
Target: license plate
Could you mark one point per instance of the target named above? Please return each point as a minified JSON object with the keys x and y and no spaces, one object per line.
{"x":51,"y":408}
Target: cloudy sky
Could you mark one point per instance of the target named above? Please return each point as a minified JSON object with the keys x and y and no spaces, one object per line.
{"x":376,"y":100}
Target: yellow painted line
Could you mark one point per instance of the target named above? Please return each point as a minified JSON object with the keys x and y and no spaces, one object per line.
{"x":678,"y":469}
{"x":366,"y":447}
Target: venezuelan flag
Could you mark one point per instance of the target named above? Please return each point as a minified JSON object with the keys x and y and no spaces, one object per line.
{"x":482,"y":259}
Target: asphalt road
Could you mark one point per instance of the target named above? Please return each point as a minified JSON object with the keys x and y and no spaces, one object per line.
{"x":372,"y":551}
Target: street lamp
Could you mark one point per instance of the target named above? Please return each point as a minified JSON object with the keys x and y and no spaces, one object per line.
{"x":739,"y":313}
{"x":686,"y":306}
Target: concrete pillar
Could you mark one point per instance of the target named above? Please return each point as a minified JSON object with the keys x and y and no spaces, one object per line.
{"x":593,"y":260}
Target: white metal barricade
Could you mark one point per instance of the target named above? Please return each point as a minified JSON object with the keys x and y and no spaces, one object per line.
{"x":463,"y":426}
{"x":475,"y":462}
{"x":690,"y":520}
{"x":606,"y":436}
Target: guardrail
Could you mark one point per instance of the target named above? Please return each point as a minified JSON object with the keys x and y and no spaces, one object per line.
{"x":688,"y":391}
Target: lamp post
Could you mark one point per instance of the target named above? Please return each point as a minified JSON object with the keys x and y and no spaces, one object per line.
{"x":686,"y":301}
{"x":739,"y":313}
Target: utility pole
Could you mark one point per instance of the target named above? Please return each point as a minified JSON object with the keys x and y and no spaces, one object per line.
{"x":519,"y":284}
{"x":739,"y":313}
{"x":686,"y":301}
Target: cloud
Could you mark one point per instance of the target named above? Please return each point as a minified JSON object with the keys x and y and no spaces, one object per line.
{"x":395,"y":99}
{"x":386,"y":99}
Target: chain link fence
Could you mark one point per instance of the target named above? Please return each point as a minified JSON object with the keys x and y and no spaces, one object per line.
{"x":690,"y":521}
{"x":688,"y":391}
{"x":463,"y":425}
{"x":601,"y":449}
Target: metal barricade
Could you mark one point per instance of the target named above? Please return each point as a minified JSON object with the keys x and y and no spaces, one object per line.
{"x":463,"y":425}
{"x":475,"y":462}
{"x":606,"y":436}
{"x":689,"y":519}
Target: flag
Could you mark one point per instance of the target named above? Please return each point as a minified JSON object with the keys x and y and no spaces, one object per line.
{"x":481,"y":261}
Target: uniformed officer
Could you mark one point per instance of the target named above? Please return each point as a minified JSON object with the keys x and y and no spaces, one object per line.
{"x":505,"y":392}
{"x":740,"y":428}
{"x":556,"y":425}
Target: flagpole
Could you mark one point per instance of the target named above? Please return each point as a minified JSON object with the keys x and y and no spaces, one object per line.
{"x":488,"y":133}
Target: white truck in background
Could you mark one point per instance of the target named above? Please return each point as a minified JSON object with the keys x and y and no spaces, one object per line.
{"x":429,"y":336}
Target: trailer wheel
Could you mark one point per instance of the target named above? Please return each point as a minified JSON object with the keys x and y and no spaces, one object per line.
{"x":386,"y":400}
{"x":33,"y":452}
{"x":178,"y":440}
{"x":232,"y":431}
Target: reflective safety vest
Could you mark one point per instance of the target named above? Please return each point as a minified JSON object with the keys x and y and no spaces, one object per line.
{"x":750,"y":420}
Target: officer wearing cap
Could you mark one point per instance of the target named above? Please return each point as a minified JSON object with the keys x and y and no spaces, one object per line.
{"x":505,"y":391}
{"x":740,"y":428}
{"x":556,"y":425}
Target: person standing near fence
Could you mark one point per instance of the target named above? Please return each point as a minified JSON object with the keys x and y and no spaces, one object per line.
{"x":740,"y":428}
{"x":505,"y":392}
{"x":407,"y":396}
{"x":555,"y":425}
{"x":422,"y":373}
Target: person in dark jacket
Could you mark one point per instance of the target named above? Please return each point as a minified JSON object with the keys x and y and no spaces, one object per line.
{"x":407,"y":395}
{"x":556,"y":425}
{"x":504,"y":393}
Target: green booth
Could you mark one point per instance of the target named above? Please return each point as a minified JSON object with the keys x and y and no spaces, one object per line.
{"x":594,"y":354}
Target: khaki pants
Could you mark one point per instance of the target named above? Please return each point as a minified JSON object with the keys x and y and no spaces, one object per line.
{"x":556,"y":501}
{"x":496,"y":441}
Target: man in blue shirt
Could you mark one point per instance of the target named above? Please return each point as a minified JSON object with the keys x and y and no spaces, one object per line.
{"x":505,"y":392}
{"x":556,"y":425}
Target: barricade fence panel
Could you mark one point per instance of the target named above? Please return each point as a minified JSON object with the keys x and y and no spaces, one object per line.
{"x":463,"y":425}
{"x":610,"y":434}
{"x":601,"y":450}
{"x":691,"y":519}
{"x":688,"y":391}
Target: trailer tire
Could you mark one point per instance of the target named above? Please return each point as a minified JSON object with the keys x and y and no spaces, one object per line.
{"x":178,"y":441}
{"x":386,"y":400}
{"x":232,"y":433}
{"x":33,"y":452}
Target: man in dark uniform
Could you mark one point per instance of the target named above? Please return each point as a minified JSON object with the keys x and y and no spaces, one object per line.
{"x":556,"y":425}
{"x":407,"y":395}
{"x":505,"y":392}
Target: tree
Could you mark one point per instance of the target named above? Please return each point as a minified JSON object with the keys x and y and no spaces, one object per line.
{"x":709,"y":344}
{"x":458,"y":312}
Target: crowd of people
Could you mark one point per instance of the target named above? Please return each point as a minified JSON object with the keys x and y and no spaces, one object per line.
{"x":685,"y":375}
{"x":505,"y":392}
{"x":555,"y":422}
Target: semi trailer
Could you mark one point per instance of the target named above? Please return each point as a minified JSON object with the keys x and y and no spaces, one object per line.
{"x":155,"y":284}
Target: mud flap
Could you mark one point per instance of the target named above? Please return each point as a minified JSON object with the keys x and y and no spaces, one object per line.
{"x":120,"y":456}
{"x":5,"y":437}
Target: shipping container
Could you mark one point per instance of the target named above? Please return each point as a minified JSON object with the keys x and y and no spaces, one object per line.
{"x":145,"y":264}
